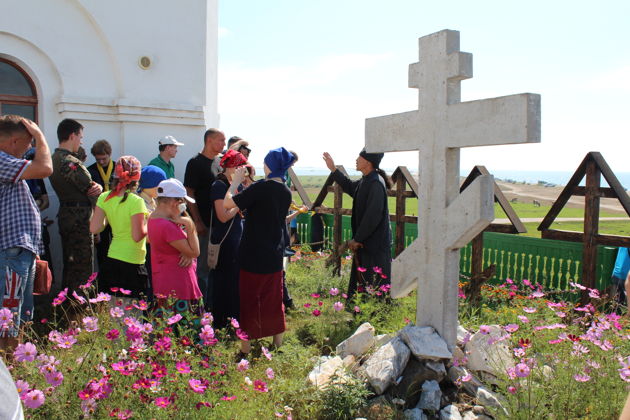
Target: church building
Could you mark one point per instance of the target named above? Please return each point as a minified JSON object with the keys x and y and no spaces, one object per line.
{"x":130,"y":72}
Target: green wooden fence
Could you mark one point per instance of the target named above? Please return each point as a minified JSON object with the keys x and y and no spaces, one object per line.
{"x":549,"y":262}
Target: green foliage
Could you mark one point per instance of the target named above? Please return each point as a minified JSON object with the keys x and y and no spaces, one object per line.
{"x":342,"y":400}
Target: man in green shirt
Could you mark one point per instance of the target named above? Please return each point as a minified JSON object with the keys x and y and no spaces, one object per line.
{"x":168,"y":150}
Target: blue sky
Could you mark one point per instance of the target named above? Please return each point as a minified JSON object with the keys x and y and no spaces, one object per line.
{"x":306,"y":74}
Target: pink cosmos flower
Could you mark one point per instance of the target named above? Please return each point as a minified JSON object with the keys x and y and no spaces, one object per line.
{"x":61,"y":297}
{"x":174,"y":319}
{"x":242,"y":335}
{"x":117,"y":312}
{"x":54,"y":378}
{"x":484,"y":329}
{"x":124,"y":415}
{"x":6,"y":317}
{"x":270,"y":373}
{"x":197,"y":386}
{"x":316,"y":312}
{"x":162,"y":345}
{"x":125,"y":291}
{"x":537,"y":294}
{"x":79,"y":298}
{"x":22,"y":387}
{"x":576,"y":285}
{"x":162,"y":402}
{"x":582,"y":377}
{"x":511,"y":390}
{"x":337,"y":306}
{"x":357,"y":309}
{"x":243,"y":365}
{"x":519,"y":352}
{"x":333,"y":291}
{"x":523,"y":319}
{"x":466,"y":378}
{"x":25,"y":352}
{"x":34,"y":398}
{"x":230,"y":398}
{"x":593,"y":293}
{"x":142,"y":305}
{"x":315,"y":295}
{"x":266,"y":353}
{"x":206,"y":319}
{"x":461,"y":294}
{"x":90,"y":323}
{"x":511,"y":328}
{"x":234,"y":323}
{"x":260,"y":386}
{"x":529,"y":310}
{"x":521,"y":370}
{"x":361,"y":269}
{"x":182,"y":367}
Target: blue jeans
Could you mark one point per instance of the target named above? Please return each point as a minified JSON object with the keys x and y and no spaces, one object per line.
{"x":17,"y":268}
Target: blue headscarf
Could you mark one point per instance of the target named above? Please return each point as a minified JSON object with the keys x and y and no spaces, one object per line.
{"x":279,"y":161}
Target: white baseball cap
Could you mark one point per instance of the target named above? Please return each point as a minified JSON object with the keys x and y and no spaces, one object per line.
{"x":169,"y":140}
{"x":173,"y":188}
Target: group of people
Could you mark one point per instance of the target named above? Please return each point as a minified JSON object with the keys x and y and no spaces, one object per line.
{"x":214,"y":242}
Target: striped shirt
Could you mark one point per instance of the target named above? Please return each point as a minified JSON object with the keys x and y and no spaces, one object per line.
{"x":20,"y":222}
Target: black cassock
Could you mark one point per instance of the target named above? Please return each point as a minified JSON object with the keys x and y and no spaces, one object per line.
{"x":370,"y":227}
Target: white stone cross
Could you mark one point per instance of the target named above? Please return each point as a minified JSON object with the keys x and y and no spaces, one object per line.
{"x":447,"y":220}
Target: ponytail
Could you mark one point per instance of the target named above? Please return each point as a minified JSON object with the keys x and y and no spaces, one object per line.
{"x":388,"y":181}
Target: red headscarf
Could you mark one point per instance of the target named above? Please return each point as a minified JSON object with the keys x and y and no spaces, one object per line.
{"x":233,"y":159}
{"x":127,"y":170}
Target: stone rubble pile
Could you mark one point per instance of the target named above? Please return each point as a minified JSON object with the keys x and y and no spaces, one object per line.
{"x":415,"y":370}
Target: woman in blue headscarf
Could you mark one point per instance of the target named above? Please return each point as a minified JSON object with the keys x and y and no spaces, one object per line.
{"x":262,"y":247}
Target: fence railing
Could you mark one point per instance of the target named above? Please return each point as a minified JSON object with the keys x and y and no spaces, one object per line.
{"x":552,"y":263}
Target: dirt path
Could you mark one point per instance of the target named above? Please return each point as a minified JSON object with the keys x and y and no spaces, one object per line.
{"x":527,"y":193}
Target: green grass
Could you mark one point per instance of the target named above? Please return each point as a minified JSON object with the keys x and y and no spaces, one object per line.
{"x":612,"y":227}
{"x":523,"y":210}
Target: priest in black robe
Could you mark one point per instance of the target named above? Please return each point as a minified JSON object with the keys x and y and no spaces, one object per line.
{"x":371,"y":241}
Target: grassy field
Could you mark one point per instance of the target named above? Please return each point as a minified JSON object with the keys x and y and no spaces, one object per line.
{"x":312,"y":185}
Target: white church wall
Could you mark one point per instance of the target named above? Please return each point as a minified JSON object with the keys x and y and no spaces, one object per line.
{"x":83,"y":56}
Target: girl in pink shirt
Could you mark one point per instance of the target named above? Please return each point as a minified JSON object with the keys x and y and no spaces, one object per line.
{"x":174,"y":246}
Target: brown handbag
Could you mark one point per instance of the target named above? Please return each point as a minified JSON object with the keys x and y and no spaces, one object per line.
{"x":43,"y":278}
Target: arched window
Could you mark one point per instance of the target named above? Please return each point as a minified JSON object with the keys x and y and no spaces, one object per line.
{"x":17,"y":91}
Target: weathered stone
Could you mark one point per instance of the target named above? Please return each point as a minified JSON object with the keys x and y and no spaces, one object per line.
{"x":425,"y":343}
{"x":438,"y":368}
{"x":487,"y":398}
{"x":386,"y":364}
{"x":470,"y":415}
{"x":378,"y":409}
{"x":488,"y":355}
{"x":414,"y":414}
{"x":450,"y":412}
{"x":358,"y":343}
{"x":430,"y":397}
{"x":325,"y":370}
{"x":410,"y":386}
{"x":461,"y":335}
{"x":349,"y":361}
{"x":381,"y":339}
{"x":470,"y":387}
{"x":478,"y":409}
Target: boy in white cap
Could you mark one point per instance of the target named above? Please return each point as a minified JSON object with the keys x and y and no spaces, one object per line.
{"x":168,"y":150}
